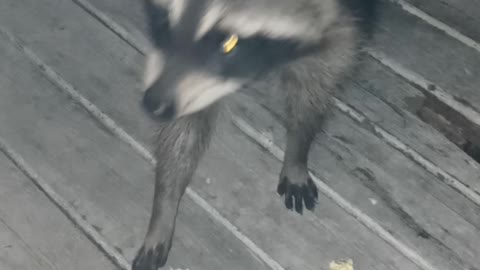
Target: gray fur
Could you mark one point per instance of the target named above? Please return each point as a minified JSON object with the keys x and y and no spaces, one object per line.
{"x":181,"y":144}
{"x":305,"y":80}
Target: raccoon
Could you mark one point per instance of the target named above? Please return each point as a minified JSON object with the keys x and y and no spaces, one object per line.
{"x":205,"y":50}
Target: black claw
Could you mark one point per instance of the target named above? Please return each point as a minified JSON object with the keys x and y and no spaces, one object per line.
{"x":289,"y":199}
{"x":298,"y":199}
{"x":151,"y":259}
{"x":282,"y":186}
{"x":312,"y":187}
{"x":308,"y":198}
{"x":299,"y":195}
{"x":310,"y":194}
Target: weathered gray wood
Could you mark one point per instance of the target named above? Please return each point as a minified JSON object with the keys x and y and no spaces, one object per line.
{"x":34,"y":234}
{"x":131,"y":19}
{"x":54,"y":33}
{"x":15,"y":254}
{"x":392,"y":103}
{"x":429,"y":52}
{"x":339,"y":235}
{"x":459,"y":14}
{"x":409,"y":201}
{"x":99,"y":175}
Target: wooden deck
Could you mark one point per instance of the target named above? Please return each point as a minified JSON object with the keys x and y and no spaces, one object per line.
{"x":398,"y":165}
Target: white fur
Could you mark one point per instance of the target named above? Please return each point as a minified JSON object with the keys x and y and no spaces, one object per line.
{"x":177,"y":7}
{"x":209,"y":20}
{"x":154,"y":63}
{"x":198,"y":90}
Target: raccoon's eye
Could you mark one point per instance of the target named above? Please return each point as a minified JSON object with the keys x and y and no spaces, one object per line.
{"x":229,"y":44}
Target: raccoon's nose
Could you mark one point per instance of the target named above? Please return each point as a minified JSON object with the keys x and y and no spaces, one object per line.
{"x":159,"y":108}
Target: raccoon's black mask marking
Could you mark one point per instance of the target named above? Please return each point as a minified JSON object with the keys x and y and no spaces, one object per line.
{"x":250,"y":57}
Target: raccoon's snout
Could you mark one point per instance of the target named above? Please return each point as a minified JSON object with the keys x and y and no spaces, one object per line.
{"x":160,"y":107}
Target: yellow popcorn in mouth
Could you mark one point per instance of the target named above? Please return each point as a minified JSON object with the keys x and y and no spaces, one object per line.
{"x":230,"y":43}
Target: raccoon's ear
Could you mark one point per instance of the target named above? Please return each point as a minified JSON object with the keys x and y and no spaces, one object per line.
{"x":302,"y":20}
{"x":157,"y":21}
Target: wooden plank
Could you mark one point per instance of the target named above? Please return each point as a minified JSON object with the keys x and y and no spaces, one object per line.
{"x":34,"y":234}
{"x":391,"y":103}
{"x":436,"y":56}
{"x":415,"y":195}
{"x":15,"y":254}
{"x":97,"y":173}
{"x":351,"y":238}
{"x":406,"y":199}
{"x":460,"y":14}
{"x":53,"y":35}
{"x":130,"y":19}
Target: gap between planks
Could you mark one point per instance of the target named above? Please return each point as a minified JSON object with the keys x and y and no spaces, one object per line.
{"x":470,"y":113}
{"x":112,"y":25}
{"x":452,"y":32}
{"x":413,"y":78}
{"x":87,"y":229}
{"x":407,"y":151}
{"x":351,"y":112}
{"x":116,"y":129}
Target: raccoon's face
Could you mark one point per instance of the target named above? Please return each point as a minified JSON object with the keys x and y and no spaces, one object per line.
{"x":202,"y":52}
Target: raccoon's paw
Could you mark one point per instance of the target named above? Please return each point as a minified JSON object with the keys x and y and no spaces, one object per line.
{"x":298,"y":189}
{"x":150,"y":258}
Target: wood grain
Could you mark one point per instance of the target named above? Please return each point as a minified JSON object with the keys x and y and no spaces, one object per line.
{"x":34,"y":234}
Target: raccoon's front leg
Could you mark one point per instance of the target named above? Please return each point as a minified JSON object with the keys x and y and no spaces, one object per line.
{"x":295,"y":182}
{"x":181,"y":144}
{"x":306,"y":109}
